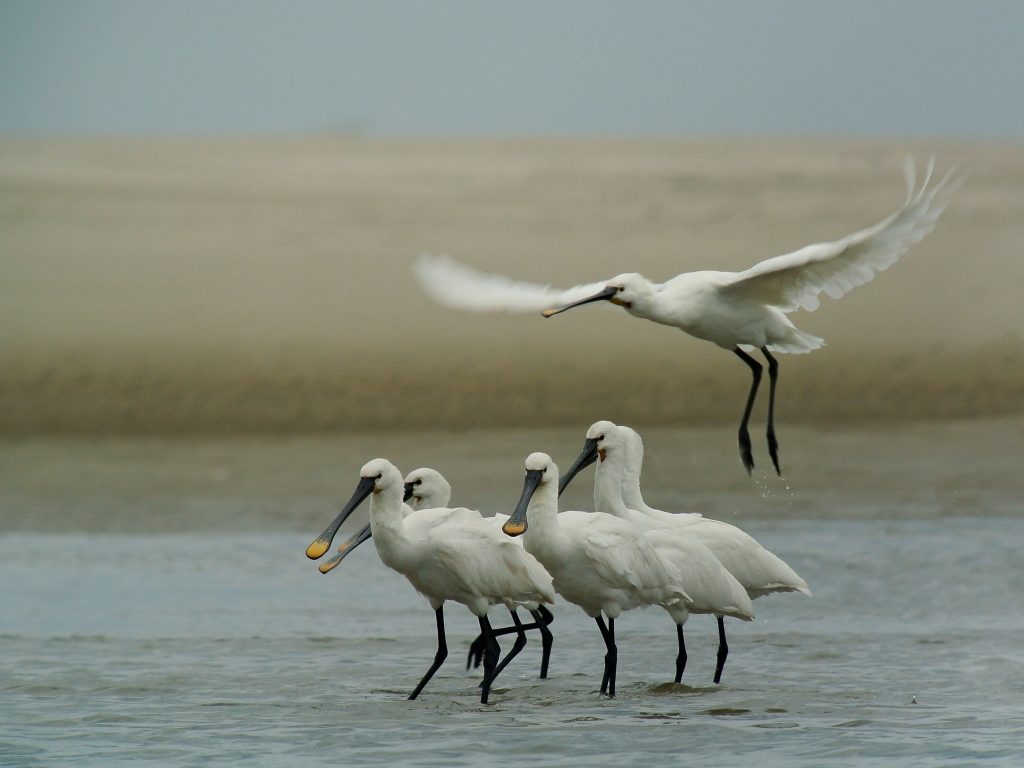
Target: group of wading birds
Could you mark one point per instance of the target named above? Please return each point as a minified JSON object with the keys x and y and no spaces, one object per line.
{"x":623,"y":554}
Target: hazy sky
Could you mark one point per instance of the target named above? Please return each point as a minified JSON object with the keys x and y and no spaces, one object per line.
{"x":530,"y":67}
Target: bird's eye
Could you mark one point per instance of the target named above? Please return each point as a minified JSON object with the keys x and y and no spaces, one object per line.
{"x":379,"y":475}
{"x":418,"y":482}
{"x":620,"y":288}
{"x":600,"y":437}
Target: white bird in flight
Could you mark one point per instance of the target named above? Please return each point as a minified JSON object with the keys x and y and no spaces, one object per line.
{"x":738,"y":311}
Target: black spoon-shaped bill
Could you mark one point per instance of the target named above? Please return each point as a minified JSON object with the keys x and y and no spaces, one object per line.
{"x":516,"y":524}
{"x":322,"y":543}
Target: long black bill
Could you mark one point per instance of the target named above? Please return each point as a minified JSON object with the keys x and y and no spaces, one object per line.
{"x":408,"y":491}
{"x":587,"y":457}
{"x":604,"y":295}
{"x":346,"y":549}
{"x":516,"y":524}
{"x":322,"y":543}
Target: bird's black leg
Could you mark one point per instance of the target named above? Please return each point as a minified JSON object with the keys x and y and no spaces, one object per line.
{"x":723,"y":650}
{"x":543,"y":617}
{"x":773,"y":377}
{"x":681,"y":658}
{"x":610,"y":657}
{"x":490,"y":657}
{"x":744,"y":436}
{"x":439,"y":657}
{"x":517,"y":646}
{"x":476,"y":648}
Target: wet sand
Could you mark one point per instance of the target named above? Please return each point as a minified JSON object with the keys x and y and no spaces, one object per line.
{"x":262,"y":287}
{"x":965,"y":468}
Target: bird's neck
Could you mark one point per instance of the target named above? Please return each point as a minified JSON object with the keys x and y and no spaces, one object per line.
{"x":630,"y":490}
{"x":543,"y":531}
{"x":607,"y":498}
{"x":608,"y":494}
{"x":388,"y":528}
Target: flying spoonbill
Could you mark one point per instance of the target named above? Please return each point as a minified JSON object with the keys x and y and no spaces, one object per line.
{"x":738,"y":311}
{"x":446,"y":554}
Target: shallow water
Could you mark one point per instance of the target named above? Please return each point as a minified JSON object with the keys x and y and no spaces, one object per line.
{"x":194,"y":649}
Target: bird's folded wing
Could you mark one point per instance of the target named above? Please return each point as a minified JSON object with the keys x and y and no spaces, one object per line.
{"x":458,"y":286}
{"x":630,"y":564}
{"x":794,"y":280}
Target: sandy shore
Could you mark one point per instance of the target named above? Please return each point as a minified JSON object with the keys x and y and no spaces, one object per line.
{"x":148,"y":484}
{"x":168,"y":287}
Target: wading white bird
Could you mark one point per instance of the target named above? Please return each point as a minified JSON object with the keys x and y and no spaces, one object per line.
{"x":599,"y":562}
{"x":758,"y":570}
{"x":711,"y":588}
{"x":426,"y":488}
{"x":738,"y":311}
{"x":446,"y":554}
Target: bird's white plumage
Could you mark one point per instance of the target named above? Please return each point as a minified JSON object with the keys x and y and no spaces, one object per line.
{"x":429,"y":488}
{"x":451,"y":554}
{"x":795,"y":280}
{"x":731,"y":309}
{"x":759,"y":570}
{"x":709,"y":586}
{"x":460,"y":286}
{"x":597,"y":561}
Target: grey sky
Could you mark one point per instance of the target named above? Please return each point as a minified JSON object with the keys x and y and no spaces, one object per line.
{"x":465,"y":68}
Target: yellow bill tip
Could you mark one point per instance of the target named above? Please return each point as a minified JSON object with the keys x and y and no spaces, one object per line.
{"x":317,"y":549}
{"x":329,"y":565}
{"x":549,"y":312}
{"x":514,"y":529}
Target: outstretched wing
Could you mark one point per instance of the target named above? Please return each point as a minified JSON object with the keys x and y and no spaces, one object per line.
{"x":795,"y":279}
{"x":458,"y":286}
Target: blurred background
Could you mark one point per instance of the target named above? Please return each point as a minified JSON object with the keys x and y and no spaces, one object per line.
{"x":208,"y":324}
{"x":209,"y":211}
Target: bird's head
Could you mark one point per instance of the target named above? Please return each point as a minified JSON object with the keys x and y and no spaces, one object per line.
{"x":425,"y":488}
{"x":602,"y":437}
{"x":541,"y":471}
{"x":625,"y":290}
{"x":629,"y":289}
{"x":375,"y":476}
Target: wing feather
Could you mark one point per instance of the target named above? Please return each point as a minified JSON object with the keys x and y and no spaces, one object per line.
{"x":795,"y":280}
{"x":459,"y":286}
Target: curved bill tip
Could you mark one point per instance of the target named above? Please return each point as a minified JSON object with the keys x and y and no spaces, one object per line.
{"x":514,"y":528}
{"x":317,"y":549}
{"x":329,"y":565}
{"x":550,"y":312}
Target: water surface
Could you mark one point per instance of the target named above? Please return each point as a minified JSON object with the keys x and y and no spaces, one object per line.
{"x":196,"y":649}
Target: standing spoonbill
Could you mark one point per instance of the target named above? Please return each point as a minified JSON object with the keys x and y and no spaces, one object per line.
{"x":426,"y":488}
{"x":446,"y":554}
{"x":597,"y":561}
{"x":759,"y":571}
{"x":738,"y":311}
{"x":711,"y":587}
